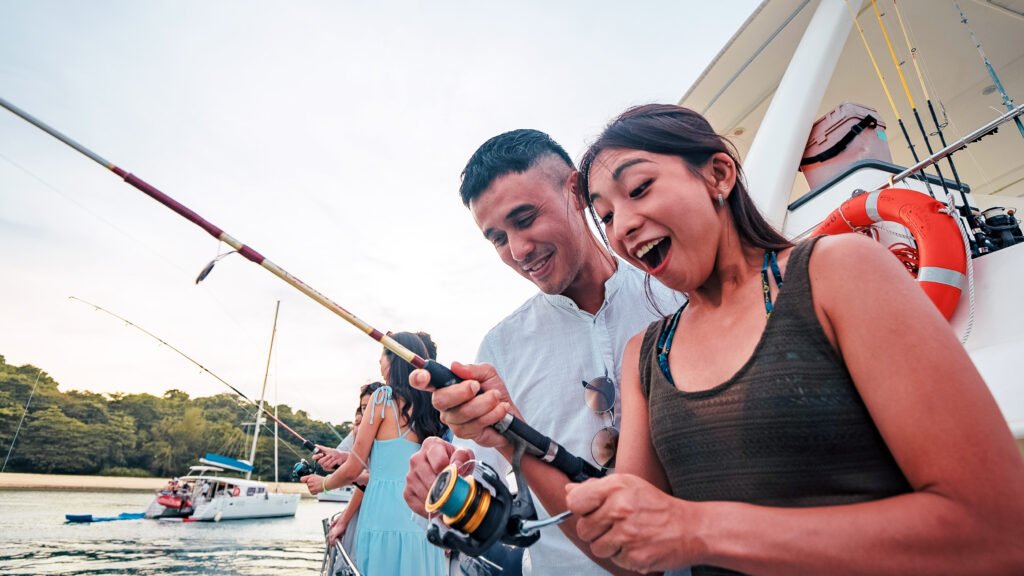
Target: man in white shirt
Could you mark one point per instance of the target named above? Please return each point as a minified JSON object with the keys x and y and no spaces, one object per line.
{"x":519,"y":187}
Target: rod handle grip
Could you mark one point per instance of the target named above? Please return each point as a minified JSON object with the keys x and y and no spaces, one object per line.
{"x":576,"y":468}
{"x":440,"y":375}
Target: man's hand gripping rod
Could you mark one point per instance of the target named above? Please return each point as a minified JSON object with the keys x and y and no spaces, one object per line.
{"x":518,"y":432}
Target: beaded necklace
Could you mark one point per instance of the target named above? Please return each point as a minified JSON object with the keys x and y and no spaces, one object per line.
{"x":667,"y":334}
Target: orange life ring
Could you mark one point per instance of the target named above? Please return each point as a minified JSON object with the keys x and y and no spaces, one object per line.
{"x":236,"y":491}
{"x":942,"y":260}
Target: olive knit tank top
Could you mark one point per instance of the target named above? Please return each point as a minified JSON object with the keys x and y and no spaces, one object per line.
{"x":789,"y":429}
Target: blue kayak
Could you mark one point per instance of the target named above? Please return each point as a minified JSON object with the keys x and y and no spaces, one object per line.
{"x":91,"y":518}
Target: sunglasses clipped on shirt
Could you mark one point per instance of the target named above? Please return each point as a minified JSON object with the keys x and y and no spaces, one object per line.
{"x":599,"y":395}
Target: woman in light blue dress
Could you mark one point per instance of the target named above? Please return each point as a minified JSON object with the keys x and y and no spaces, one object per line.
{"x":398,"y":418}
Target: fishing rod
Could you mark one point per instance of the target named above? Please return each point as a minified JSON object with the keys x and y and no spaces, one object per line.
{"x":305,"y":443}
{"x":535,"y":443}
{"x":910,"y":97}
{"x":1007,"y":101}
{"x":972,"y":221}
{"x":888,"y":95}
{"x":928,"y":99}
{"x":971,"y":224}
{"x":960,"y":144}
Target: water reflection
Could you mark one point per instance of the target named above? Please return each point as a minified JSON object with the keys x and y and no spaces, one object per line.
{"x":35,"y":540}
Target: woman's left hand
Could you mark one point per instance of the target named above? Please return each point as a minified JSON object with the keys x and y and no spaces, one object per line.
{"x":337,"y":531}
{"x":633,"y":523}
{"x":314,"y":483}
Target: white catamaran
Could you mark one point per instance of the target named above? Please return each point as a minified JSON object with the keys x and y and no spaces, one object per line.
{"x":204,"y":495}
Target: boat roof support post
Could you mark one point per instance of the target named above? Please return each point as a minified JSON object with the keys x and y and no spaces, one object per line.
{"x":774,"y":157}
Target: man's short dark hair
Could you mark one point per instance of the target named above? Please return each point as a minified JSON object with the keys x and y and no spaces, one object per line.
{"x":512,"y":152}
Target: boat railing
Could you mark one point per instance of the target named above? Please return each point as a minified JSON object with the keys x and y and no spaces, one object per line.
{"x":336,"y":561}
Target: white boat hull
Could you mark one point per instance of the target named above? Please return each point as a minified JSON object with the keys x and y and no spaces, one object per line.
{"x":267,"y":505}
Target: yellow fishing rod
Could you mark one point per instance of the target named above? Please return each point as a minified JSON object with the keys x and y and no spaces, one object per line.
{"x":924,"y":89}
{"x":966,"y":210}
{"x":910,"y":97}
{"x":888,"y":95}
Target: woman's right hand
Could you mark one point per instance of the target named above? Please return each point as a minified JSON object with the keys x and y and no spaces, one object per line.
{"x":470,"y":415}
{"x":329,"y":458}
{"x":314,"y":483}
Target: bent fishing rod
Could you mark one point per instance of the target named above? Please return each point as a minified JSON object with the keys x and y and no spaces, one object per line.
{"x":305,"y":443}
{"x":536,"y":443}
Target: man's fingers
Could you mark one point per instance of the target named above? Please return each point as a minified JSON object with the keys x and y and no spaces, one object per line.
{"x":420,"y":379}
{"x":455,"y":395}
{"x":477,"y":408}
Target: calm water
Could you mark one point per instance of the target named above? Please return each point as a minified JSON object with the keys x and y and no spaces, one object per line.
{"x":34,"y":539}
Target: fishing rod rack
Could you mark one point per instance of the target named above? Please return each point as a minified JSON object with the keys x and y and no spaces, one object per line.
{"x":991,"y":230}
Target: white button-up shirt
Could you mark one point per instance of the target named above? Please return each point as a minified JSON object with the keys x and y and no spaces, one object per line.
{"x":545,"y":351}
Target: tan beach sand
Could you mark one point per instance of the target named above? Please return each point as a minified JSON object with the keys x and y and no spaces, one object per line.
{"x":15,"y":481}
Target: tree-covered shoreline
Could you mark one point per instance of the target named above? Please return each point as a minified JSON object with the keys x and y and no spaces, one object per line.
{"x":118,"y":434}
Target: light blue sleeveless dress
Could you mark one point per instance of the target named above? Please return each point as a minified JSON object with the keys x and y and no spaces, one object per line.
{"x":390,"y":540}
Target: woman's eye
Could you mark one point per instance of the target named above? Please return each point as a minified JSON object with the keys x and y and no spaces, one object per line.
{"x":606,"y":219}
{"x":639,"y":190}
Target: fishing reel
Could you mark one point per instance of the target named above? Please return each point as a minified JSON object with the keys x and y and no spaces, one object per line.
{"x":472,"y":511}
{"x":304,"y":468}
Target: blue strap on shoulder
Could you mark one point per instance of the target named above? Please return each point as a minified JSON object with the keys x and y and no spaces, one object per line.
{"x":665,"y":343}
{"x":384,"y":397}
{"x":381,"y":397}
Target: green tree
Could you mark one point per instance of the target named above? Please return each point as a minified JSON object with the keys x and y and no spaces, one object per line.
{"x":84,"y":432}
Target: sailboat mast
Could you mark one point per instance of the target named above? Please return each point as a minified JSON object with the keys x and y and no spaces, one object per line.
{"x":263,"y":392}
{"x":275,"y":430}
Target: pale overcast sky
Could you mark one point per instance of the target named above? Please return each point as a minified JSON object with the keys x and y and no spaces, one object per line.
{"x":327,"y":135}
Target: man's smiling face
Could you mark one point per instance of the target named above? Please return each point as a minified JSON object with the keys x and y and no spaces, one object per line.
{"x":532,"y":221}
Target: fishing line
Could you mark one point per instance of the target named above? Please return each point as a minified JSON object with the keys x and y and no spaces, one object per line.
{"x":535,"y":443}
{"x":945,"y":117}
{"x":117,"y":229}
{"x":305,"y":443}
{"x":22,"y":421}
{"x":888,"y":95}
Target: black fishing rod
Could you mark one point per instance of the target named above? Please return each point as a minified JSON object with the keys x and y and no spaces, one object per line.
{"x":910,"y":97}
{"x":535,"y":443}
{"x":927,"y":97}
{"x":260,"y":408}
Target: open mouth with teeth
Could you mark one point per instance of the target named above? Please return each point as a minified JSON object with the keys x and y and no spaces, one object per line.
{"x":653,"y":253}
{"x":537,"y":264}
